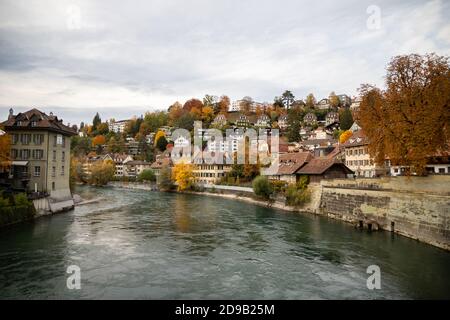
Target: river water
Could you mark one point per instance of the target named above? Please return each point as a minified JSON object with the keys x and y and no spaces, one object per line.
{"x":151,"y":245}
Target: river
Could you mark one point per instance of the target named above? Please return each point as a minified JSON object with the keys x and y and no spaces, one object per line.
{"x":137,"y":244}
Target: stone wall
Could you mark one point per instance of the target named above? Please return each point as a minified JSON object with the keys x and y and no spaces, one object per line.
{"x":417,"y":207}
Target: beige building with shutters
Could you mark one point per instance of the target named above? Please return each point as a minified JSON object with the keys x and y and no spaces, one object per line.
{"x":40,"y":153}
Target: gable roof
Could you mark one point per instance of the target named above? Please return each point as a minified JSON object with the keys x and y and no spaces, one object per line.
{"x":320,"y":165}
{"x":289,"y":163}
{"x":42,"y":121}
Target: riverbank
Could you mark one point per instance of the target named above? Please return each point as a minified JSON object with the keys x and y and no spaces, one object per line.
{"x":417,"y":208}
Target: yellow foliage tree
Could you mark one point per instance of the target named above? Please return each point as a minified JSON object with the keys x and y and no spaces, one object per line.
{"x":344,"y":136}
{"x":102,"y":172}
{"x":183,"y":175}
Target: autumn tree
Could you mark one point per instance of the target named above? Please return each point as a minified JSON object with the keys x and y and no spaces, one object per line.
{"x":192,"y":103}
{"x":409,"y":120}
{"x":164,"y":179}
{"x":207,"y":114}
{"x":224,"y":104}
{"x":175,"y":112}
{"x":310,"y":101}
{"x":183,"y":175}
{"x":101,"y":173}
{"x":102,"y":128}
{"x":5,"y":149}
{"x":334,"y":100}
{"x":98,"y":142}
{"x":245,"y":105}
{"x":345,"y":136}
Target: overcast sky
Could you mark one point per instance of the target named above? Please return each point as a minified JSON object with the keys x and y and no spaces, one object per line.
{"x":123,"y":58}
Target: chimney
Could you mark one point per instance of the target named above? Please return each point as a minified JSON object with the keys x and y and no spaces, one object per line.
{"x":11,"y":113}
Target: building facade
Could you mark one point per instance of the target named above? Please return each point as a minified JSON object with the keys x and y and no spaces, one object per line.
{"x":40,"y":152}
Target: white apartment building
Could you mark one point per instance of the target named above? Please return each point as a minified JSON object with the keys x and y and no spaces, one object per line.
{"x":117,"y":126}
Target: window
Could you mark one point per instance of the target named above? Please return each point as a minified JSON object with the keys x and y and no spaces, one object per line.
{"x":38,"y":154}
{"x":14,"y":153}
{"x":63,"y":141}
{"x":63,"y":156}
{"x":53,"y":171}
{"x":62,"y":170}
{"x":25,"y":138}
{"x":441,"y":170}
{"x":53,"y":186}
{"x":38,"y":138}
{"x":33,"y":123}
{"x":59,"y":139}
{"x":15,"y":138}
{"x":37,"y":171}
{"x":25,"y":154}
{"x":54,"y":155}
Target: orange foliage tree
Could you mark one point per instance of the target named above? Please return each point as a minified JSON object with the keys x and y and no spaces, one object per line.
{"x":193,"y":103}
{"x":5,"y":149}
{"x":98,"y":140}
{"x":224,"y":104}
{"x":409,"y":120}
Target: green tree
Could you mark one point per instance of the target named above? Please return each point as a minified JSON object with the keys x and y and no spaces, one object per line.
{"x":161,"y":143}
{"x":287,"y":98}
{"x":262,"y":187}
{"x":294,"y":124}
{"x":147,"y":175}
{"x":96,"y":121}
{"x":186,"y":121}
{"x":345,"y":119}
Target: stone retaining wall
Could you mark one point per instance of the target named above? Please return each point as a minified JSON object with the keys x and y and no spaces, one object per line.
{"x":417,"y":207}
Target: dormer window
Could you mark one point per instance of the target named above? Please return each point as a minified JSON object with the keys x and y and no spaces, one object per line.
{"x":33,"y":123}
{"x":19,"y":123}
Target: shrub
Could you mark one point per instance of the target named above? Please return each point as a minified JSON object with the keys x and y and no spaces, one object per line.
{"x":165,"y":179}
{"x":21,"y":200}
{"x":297,"y":196}
{"x":4,"y":202}
{"x":147,"y":175}
{"x":262,"y":187}
{"x":278,"y":186}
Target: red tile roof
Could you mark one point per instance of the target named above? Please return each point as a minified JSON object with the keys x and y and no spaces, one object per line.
{"x":357,"y":139}
{"x":289,"y":163}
